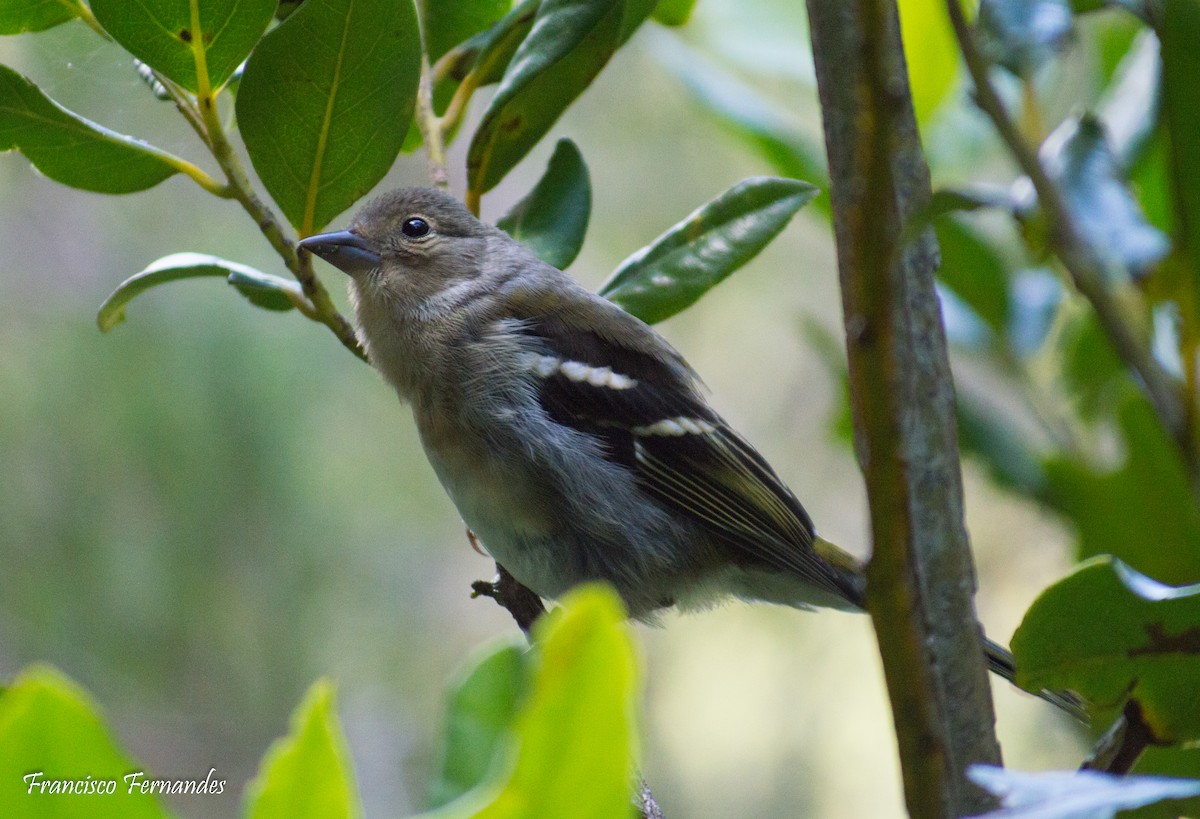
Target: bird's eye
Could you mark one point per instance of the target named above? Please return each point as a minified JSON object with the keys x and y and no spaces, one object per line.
{"x":415,"y":227}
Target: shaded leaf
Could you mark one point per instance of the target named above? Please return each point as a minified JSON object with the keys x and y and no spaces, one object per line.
{"x":483,"y":704}
{"x":308,"y":773}
{"x":673,"y":12}
{"x":553,"y":218}
{"x":1005,"y":450}
{"x":747,"y":115}
{"x":974,"y":270}
{"x":1074,"y":794}
{"x":50,"y":727}
{"x":1145,"y":646}
{"x":1179,"y":34}
{"x":1021,"y":35}
{"x":698,"y":253}
{"x":19,"y":16}
{"x":262,"y":289}
{"x":490,"y":51}
{"x":449,"y":24}
{"x":72,"y":150}
{"x":1142,"y":511}
{"x":1077,"y":156}
{"x":325,"y":102}
{"x":574,"y":751}
{"x":165,"y":36}
{"x":568,"y":44}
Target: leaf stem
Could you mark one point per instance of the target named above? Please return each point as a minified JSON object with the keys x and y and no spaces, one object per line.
{"x":432,"y":132}
{"x":1088,"y":272}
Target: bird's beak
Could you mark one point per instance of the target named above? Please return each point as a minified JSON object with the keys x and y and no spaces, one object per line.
{"x":346,"y":251}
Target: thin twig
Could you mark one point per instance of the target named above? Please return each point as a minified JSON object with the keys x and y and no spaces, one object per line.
{"x":1087,"y":270}
{"x":431,"y":129}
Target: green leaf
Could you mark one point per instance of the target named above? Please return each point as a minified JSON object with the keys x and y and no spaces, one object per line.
{"x":931,"y":53}
{"x":698,"y":253}
{"x":1021,"y":35}
{"x":51,"y":731}
{"x":72,"y":150}
{"x":575,"y":746}
{"x":1077,"y":156}
{"x":568,"y":44}
{"x":1003,"y":448}
{"x":673,"y":12}
{"x":1143,"y":511}
{"x":19,"y":16}
{"x":479,"y":720}
{"x":1143,"y":645}
{"x":262,"y":289}
{"x":748,"y":116}
{"x":308,"y":773}
{"x":553,"y":218}
{"x":490,"y":51}
{"x":973,"y":269}
{"x":1074,"y":794}
{"x":1179,"y":34}
{"x":325,"y":102}
{"x":191,"y":42}
{"x":449,"y":24}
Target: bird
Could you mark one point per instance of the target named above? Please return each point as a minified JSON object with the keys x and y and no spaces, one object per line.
{"x":574,"y":440}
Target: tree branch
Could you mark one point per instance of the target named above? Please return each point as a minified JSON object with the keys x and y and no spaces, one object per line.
{"x":921,"y":578}
{"x":1088,"y":271}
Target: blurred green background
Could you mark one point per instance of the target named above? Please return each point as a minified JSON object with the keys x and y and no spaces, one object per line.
{"x":213,"y":505}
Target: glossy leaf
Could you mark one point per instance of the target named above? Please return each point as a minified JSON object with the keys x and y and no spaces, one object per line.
{"x":698,"y":253}
{"x":325,"y":102}
{"x":568,"y":44}
{"x":749,"y":117}
{"x":930,"y":52}
{"x":1111,"y":634}
{"x":1129,"y":107}
{"x":188,"y":41}
{"x":1074,"y":794}
{"x":51,"y":730}
{"x":673,"y":12}
{"x":1021,"y":35}
{"x":19,"y":16}
{"x":1143,"y":510}
{"x":1078,"y":157}
{"x":262,"y":289}
{"x":574,"y":750}
{"x":448,"y":24}
{"x":553,"y":218}
{"x":490,"y":51}
{"x":483,"y":705}
{"x":308,"y":773}
{"x":1180,"y":35}
{"x":72,"y":150}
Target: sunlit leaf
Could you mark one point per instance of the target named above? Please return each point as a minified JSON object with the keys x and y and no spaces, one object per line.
{"x":187,"y":40}
{"x":308,"y":773}
{"x":698,"y":253}
{"x":1112,"y":634}
{"x":262,"y":289}
{"x":19,"y":16}
{"x":673,"y":12}
{"x":575,"y":745}
{"x":51,"y":731}
{"x":325,"y":102}
{"x":70,"y":149}
{"x":1021,"y":35}
{"x":479,"y":720}
{"x":567,"y":46}
{"x":1074,"y":794}
{"x":1078,"y":157}
{"x":552,"y":219}
{"x":931,"y":53}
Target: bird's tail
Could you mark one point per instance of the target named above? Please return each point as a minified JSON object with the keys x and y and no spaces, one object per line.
{"x":1000,"y":662}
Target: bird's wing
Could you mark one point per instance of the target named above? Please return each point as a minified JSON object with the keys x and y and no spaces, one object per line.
{"x":628,"y":388}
